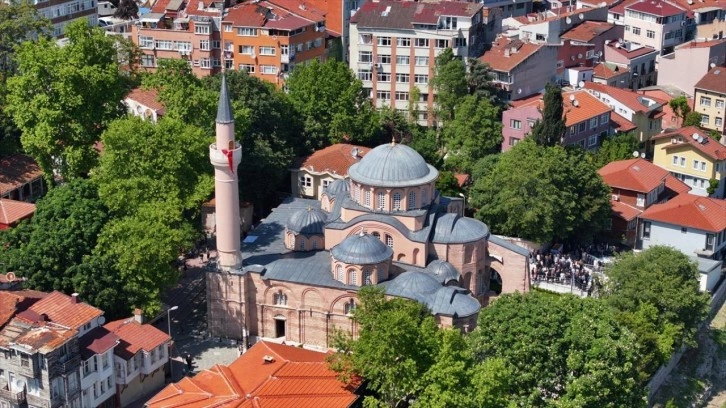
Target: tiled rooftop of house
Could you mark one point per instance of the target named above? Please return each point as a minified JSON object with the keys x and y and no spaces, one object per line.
{"x":620,"y":7}
{"x":656,"y":7}
{"x":97,"y":341}
{"x":701,"y":44}
{"x":135,"y":336}
{"x":621,"y":124}
{"x":335,"y":159}
{"x":279,"y":14}
{"x":61,"y":309}
{"x":12,"y":302}
{"x":148,"y":98}
{"x":267,"y":375}
{"x":692,"y":211}
{"x":630,"y":50}
{"x":587,"y":31}
{"x":12,"y":211}
{"x":405,"y":14}
{"x":624,"y":211}
{"x":709,"y":147}
{"x":635,"y":101}
{"x":35,"y":337}
{"x":714,"y":80}
{"x":606,"y":71}
{"x":17,"y":170}
{"x":588,"y":106}
{"x":637,"y":175}
{"x":506,"y":54}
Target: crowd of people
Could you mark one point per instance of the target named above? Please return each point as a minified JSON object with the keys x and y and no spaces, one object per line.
{"x":575,"y":269}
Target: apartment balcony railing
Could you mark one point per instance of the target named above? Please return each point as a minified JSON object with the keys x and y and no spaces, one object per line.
{"x":13,"y":396}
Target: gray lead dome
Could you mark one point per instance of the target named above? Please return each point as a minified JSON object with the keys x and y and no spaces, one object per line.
{"x":362,"y":249}
{"x":308,"y":221}
{"x":443,"y":271}
{"x":392,"y":165}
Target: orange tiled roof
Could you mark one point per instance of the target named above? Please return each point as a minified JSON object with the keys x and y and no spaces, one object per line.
{"x":621,"y":124}
{"x":602,"y":70}
{"x":624,"y":211}
{"x":676,"y":186}
{"x":335,"y":159}
{"x":700,"y":44}
{"x":12,"y":211}
{"x":587,"y":106}
{"x":60,"y":309}
{"x":711,"y":148}
{"x":633,"y":100}
{"x":587,"y":31}
{"x":147,"y":97}
{"x":462,"y":179}
{"x":35,"y":337}
{"x":268,"y":375}
{"x":634,"y":174}
{"x":300,"y":8}
{"x":689,"y":210}
{"x":135,"y":336}
{"x":714,"y":80}
{"x":17,"y":170}
{"x":12,"y":302}
{"x":499,"y":61}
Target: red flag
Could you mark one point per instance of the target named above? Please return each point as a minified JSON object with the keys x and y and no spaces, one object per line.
{"x":230,"y":158}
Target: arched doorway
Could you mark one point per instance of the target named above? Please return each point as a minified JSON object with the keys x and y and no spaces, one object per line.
{"x":495,"y":282}
{"x":280,"y":326}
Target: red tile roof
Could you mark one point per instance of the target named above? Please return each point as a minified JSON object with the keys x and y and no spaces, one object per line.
{"x":246,"y":15}
{"x":268,"y":375}
{"x":656,"y":7}
{"x":604,"y":71}
{"x":135,"y":336}
{"x":497,"y":57}
{"x":634,"y":174}
{"x":624,"y":211}
{"x":676,"y":186}
{"x":689,"y":210}
{"x":462,"y":179}
{"x":12,"y":302}
{"x":620,"y":7}
{"x":635,"y":101}
{"x":588,"y":106}
{"x":35,"y":337}
{"x":12,"y":211}
{"x":335,"y":159}
{"x":17,"y":170}
{"x":403,"y":14}
{"x":700,"y":44}
{"x":587,"y":31}
{"x":635,"y":52}
{"x":60,"y":309}
{"x":711,"y":148}
{"x":148,"y":98}
{"x":621,"y":124}
{"x":97,"y":341}
{"x":714,"y":80}
{"x":301,"y":8}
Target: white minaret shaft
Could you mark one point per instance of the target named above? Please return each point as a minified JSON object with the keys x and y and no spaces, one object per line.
{"x":225,"y":156}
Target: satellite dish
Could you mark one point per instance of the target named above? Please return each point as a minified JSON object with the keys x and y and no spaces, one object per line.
{"x":579,"y":56}
{"x":568,"y":20}
{"x":354,"y":152}
{"x":101,"y":320}
{"x":642,"y":155}
{"x":712,"y":65}
{"x":695,"y":136}
{"x":581,"y":16}
{"x":572,"y":98}
{"x":636,"y":154}
{"x":581,"y":84}
{"x":519,"y":90}
{"x":576,"y":103}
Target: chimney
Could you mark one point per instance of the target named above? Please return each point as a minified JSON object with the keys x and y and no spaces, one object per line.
{"x":139,"y":316}
{"x":74,"y":298}
{"x":268,"y":359}
{"x":506,"y":52}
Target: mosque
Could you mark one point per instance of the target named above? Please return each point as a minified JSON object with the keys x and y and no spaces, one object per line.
{"x":296,"y":275}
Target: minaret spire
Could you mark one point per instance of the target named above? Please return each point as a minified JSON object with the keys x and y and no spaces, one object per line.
{"x":226,"y":155}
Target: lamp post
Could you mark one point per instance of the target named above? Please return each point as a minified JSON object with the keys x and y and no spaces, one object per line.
{"x":168,"y":322}
{"x":463,"y":210}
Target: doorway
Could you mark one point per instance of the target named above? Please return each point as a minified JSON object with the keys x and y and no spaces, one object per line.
{"x":280,"y":327}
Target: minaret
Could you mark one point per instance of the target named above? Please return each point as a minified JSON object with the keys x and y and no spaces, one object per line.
{"x":225,"y":156}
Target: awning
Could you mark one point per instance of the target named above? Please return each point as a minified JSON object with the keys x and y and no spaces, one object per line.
{"x":152,"y":17}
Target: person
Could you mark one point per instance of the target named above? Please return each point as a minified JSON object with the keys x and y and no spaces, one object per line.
{"x":189,"y":361}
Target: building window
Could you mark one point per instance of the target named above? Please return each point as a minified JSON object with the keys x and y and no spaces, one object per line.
{"x":422,"y":61}
{"x":401,"y":96}
{"x":247,"y":32}
{"x":381,"y":200}
{"x":146,"y":42}
{"x":646,"y":229}
{"x":267,"y":50}
{"x":148,"y":61}
{"x":247,"y":49}
{"x":302,"y":245}
{"x":423,"y":197}
{"x":403,"y":60}
{"x":349,"y":307}
{"x":280,"y":299}
{"x":411,"y":203}
{"x":403,"y":42}
{"x":383,"y":77}
{"x":515,"y":124}
{"x":459,"y":42}
{"x":268,"y":69}
{"x":514,"y":140}
{"x":339,"y":273}
{"x":396,"y":198}
{"x":384,"y":58}
{"x":650,"y":33}
{"x":205,"y":45}
{"x":705,"y":119}
{"x":582,"y":127}
{"x":636,"y":30}
{"x":367,"y":198}
{"x":449,"y":23}
{"x":383,"y":95}
{"x":703,"y":166}
{"x":709,"y":242}
{"x":384,"y":41}
{"x":592,"y":140}
{"x":351,"y":277}
{"x":228,"y":28}
{"x":640,"y":201}
{"x":201,"y":29}
{"x":719,"y":103}
{"x":403,"y":78}
{"x":421,"y":79}
{"x":718,"y":121}
{"x":365,"y":56}
{"x":367,"y":277}
{"x":683,"y":162}
{"x":421,"y":42}
{"x":164,"y":44}
{"x":389,"y":241}
{"x":705,"y":101}
{"x":248,"y":68}
{"x":593,"y":123}
{"x":441,"y":43}
{"x":365,"y":75}
{"x":695,"y":164}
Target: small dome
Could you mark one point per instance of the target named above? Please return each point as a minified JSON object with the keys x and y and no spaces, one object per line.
{"x":392,"y":165}
{"x":308,"y":221}
{"x":337,"y":187}
{"x":361,"y":249}
{"x":454,"y":229}
{"x":413,"y":285}
{"x":452,"y":301}
{"x":443,"y":271}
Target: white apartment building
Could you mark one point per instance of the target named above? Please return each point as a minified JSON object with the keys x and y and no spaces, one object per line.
{"x":394,"y":45}
{"x":62,"y":12}
{"x":655,"y":23}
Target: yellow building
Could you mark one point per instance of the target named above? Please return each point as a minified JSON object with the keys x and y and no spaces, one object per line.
{"x":710,"y":99}
{"x":692,"y":157}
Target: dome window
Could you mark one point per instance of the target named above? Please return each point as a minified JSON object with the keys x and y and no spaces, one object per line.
{"x":381,"y":200}
{"x":411,"y":204}
{"x":339,"y":273}
{"x":389,"y":241}
{"x":367,"y":277}
{"x":352,"y":277}
{"x":396,"y":201}
{"x":280,"y":299}
{"x":367,"y":198}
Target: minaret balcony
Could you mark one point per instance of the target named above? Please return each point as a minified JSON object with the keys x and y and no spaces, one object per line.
{"x":221,"y":157}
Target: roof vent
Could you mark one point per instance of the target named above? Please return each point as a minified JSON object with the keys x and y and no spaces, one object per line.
{"x":268,"y":359}
{"x":716,"y":72}
{"x":385,"y":12}
{"x":354,"y":152}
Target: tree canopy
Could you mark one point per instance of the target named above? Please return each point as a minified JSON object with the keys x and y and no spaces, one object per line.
{"x":656,"y":294}
{"x":19,"y":20}
{"x":542,"y":194}
{"x":618,"y":147}
{"x":64,"y":97}
{"x":563,"y":351}
{"x":550,"y":130}
{"x":475,"y":132}
{"x":450,"y":83}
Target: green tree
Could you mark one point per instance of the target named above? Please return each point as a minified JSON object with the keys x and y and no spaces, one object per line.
{"x":475,"y":132}
{"x":64,"y":97}
{"x":692,"y":119}
{"x":550,"y":130}
{"x":484,"y":166}
{"x":562,"y":351}
{"x":127,"y":9}
{"x":618,"y":147}
{"x":332,"y":103}
{"x":656,"y":294}
{"x":542,"y":194}
{"x":715,"y":135}
{"x":19,"y":21}
{"x":479,"y":80}
{"x":680,"y":106}
{"x":712,"y":186}
{"x":449,"y":82}
{"x":424,"y":141}
{"x":447,"y":184}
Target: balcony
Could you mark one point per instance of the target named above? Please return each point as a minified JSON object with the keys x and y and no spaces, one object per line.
{"x":12,"y":396}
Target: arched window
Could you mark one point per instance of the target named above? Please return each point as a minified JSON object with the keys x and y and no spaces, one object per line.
{"x":280,"y":298}
{"x":302,"y":245}
{"x":367,"y":198}
{"x":339,"y":273}
{"x":389,"y":241}
{"x":380,"y":274}
{"x":423,"y":197}
{"x":367,"y":277}
{"x":376,"y":234}
{"x":292,"y":241}
{"x":350,"y":307}
{"x":356,"y":193}
{"x":381,"y":200}
{"x":315,"y":243}
{"x":351,"y":277}
{"x":411,"y":204}
{"x":396,"y":201}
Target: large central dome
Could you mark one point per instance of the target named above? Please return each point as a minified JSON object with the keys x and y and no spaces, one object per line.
{"x":392,"y":165}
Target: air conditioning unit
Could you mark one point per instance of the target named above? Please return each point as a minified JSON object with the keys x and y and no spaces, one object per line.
{"x":615,"y":197}
{"x":379,"y":66}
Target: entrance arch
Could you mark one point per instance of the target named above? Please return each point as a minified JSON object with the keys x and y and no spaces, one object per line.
{"x":280,"y":326}
{"x":495,"y":282}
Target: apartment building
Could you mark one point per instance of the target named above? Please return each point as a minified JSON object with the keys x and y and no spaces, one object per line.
{"x":548,"y":26}
{"x":655,"y":23}
{"x":692,"y":157}
{"x":512,"y":8}
{"x":394,"y":46}
{"x":62,"y":12}
{"x":337,"y":19}
{"x":594,"y":33}
{"x":639,"y":60}
{"x":310,"y":176}
{"x":179,"y":29}
{"x":710,"y":100}
{"x":704,"y":20}
{"x":267,"y":38}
